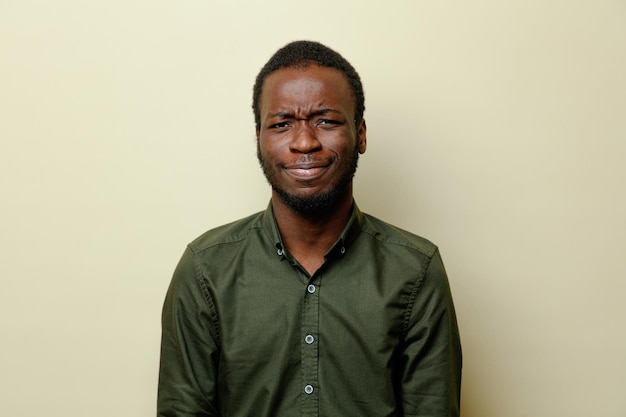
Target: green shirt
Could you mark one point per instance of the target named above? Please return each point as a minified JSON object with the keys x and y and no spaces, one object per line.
{"x":248,"y":333}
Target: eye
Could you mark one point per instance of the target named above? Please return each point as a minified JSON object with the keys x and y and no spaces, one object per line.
{"x":279,"y":125}
{"x":327,"y":122}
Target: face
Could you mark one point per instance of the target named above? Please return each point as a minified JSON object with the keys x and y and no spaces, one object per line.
{"x":308,"y":143}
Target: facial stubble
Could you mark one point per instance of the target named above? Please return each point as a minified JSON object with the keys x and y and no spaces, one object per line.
{"x":318,"y":203}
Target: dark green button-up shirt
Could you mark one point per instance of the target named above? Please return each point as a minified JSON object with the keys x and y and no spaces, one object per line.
{"x":248,"y":333}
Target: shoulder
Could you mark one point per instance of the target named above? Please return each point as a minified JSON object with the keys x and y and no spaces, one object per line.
{"x":388,"y":234}
{"x":228,"y":233}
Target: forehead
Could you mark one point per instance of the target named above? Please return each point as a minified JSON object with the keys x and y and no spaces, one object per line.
{"x":306,"y":86}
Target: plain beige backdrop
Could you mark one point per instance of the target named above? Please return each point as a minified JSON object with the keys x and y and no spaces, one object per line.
{"x":497,"y":129}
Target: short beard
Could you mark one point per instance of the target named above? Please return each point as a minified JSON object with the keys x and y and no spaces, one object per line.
{"x":312,"y":205}
{"x":316,"y":204}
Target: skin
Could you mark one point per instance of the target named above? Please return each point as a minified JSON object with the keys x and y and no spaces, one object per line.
{"x":307,"y":144}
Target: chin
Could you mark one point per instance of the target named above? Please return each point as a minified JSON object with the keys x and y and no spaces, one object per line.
{"x":311,"y":204}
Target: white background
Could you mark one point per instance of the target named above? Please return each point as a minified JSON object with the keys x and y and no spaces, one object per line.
{"x":496,"y":129}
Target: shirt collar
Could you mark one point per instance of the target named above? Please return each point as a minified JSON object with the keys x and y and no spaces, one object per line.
{"x":341,"y":246}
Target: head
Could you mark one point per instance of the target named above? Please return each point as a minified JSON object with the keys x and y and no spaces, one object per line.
{"x":310,"y":127}
{"x":300,"y":54}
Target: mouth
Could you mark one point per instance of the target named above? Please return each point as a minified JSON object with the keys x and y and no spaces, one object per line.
{"x":306,"y":171}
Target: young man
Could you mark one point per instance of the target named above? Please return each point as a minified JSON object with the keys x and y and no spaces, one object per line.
{"x":311,"y":307}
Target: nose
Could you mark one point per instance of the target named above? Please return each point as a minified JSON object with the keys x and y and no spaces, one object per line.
{"x":304,"y":138}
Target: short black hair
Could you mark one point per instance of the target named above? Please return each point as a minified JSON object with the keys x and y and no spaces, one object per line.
{"x":302,"y":54}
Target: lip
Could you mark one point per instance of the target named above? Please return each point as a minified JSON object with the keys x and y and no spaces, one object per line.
{"x":306,"y":171}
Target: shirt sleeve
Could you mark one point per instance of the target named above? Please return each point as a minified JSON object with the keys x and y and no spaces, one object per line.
{"x":189,"y":346}
{"x":431,"y":356}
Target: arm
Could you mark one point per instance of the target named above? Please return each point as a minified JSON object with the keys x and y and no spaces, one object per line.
{"x":189,"y":346}
{"x":431,"y":358}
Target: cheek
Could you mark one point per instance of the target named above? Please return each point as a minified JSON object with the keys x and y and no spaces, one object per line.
{"x":262,"y":146}
{"x":269,"y":152}
{"x":343,"y":145}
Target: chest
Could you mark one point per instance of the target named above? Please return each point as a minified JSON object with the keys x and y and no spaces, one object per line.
{"x":354,"y":307}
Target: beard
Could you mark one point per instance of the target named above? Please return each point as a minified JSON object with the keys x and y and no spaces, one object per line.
{"x":320,"y":203}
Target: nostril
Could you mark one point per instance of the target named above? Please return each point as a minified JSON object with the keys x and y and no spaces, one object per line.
{"x":305,"y":140}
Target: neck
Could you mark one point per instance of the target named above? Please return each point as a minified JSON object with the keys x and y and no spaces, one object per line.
{"x":309,"y":237}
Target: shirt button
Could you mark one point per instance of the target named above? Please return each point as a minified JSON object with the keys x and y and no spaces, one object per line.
{"x":280,"y":252}
{"x":311,"y":288}
{"x":308,"y":389}
{"x":309,"y":339}
{"x":343,"y":250}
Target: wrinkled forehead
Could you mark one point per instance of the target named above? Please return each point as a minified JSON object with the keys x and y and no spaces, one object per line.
{"x":306,"y":85}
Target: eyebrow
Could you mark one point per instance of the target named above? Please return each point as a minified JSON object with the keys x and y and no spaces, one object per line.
{"x":314,"y":113}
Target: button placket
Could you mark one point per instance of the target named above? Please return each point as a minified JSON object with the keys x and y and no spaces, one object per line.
{"x":309,"y":347}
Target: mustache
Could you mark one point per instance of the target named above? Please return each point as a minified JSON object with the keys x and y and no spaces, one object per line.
{"x":307,"y":160}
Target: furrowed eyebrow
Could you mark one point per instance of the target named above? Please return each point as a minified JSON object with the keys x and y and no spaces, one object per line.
{"x":320,"y":112}
{"x":282,"y":115}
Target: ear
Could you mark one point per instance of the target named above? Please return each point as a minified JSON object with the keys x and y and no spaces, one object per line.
{"x":362,"y":136}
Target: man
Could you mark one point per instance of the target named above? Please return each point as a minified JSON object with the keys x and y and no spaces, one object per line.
{"x":311,"y":307}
